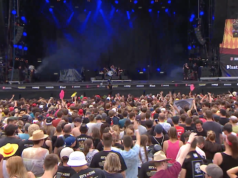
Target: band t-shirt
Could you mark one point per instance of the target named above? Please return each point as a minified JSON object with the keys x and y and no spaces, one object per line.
{"x":89,"y":173}
{"x":147,"y":170}
{"x":160,"y":140}
{"x":99,"y":160}
{"x":171,"y":172}
{"x":192,"y":164}
{"x":81,"y":139}
{"x":202,"y":133}
{"x":65,"y":172}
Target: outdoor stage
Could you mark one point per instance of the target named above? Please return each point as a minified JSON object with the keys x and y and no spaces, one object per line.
{"x":136,"y":88}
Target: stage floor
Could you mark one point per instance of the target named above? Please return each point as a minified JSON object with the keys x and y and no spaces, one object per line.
{"x":137,"y":88}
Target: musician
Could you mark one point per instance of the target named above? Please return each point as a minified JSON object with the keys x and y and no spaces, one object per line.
{"x":113,"y":69}
{"x":185,"y":71}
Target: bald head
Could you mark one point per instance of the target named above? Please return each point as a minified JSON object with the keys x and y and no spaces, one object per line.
{"x":67,"y":128}
{"x":161,"y":116}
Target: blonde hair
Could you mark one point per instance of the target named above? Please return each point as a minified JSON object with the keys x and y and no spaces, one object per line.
{"x":32,"y":128}
{"x":112,"y":163}
{"x":211,"y":135}
{"x":16,"y":167}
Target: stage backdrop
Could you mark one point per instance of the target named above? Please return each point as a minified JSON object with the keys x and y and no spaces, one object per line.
{"x":229,"y":49}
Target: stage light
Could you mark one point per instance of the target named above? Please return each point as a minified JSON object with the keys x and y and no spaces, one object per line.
{"x":152,"y":2}
{"x":23,"y":18}
{"x":158,"y":12}
{"x":15,"y":46}
{"x":47,"y":1}
{"x":19,"y":47}
{"x":158,"y":69}
{"x":150,"y":10}
{"x":135,"y":2}
{"x":132,"y":10}
{"x":174,"y":13}
{"x":189,"y":47}
{"x":64,"y":1}
{"x":117,"y":10}
{"x":50,"y":9}
{"x":201,"y":13}
{"x":14,"y":12}
{"x":213,"y":18}
{"x":169,"y":1}
{"x":24,"y":34}
{"x":25,"y":48}
{"x":191,"y":19}
{"x":86,"y":10}
{"x":116,"y":2}
{"x":166,"y":10}
{"x":192,"y":16}
{"x":144,"y":69}
{"x":194,"y":46}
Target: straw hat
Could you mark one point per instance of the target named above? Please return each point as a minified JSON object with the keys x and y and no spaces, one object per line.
{"x":160,"y":156}
{"x":38,"y":135}
{"x":8,"y":150}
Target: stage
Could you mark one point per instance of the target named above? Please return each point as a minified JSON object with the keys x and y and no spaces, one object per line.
{"x":136,"y":88}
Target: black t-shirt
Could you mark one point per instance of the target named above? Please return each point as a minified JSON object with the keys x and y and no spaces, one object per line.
{"x":192,"y":164}
{"x":202,"y":133}
{"x":28,"y":143}
{"x":114,"y":175}
{"x":65,"y":172}
{"x":161,"y":140}
{"x":147,"y":170}
{"x":89,"y":173}
{"x":189,"y":129}
{"x":223,"y":120}
{"x":85,"y":120}
{"x":81,"y":139}
{"x":99,"y":146}
{"x":60,"y":142}
{"x":96,"y":141}
{"x":13,"y":140}
{"x":99,"y":159}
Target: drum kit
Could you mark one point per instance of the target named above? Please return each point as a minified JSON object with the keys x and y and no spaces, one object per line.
{"x":113,"y":71}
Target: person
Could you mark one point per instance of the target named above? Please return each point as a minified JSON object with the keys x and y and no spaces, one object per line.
{"x":161,"y":161}
{"x":89,"y":150}
{"x":232,"y":173}
{"x":223,"y":119}
{"x":50,"y":166}
{"x":180,"y":129}
{"x":16,"y":168}
{"x":49,"y":128}
{"x":195,"y":71}
{"x":199,"y":129}
{"x":59,"y":118}
{"x":212,"y":171}
{"x":212,"y":125}
{"x":112,"y":166}
{"x":229,"y":158}
{"x":33,"y":157}
{"x":159,"y":137}
{"x":233,"y":121}
{"x":99,"y":158}
{"x":63,"y":169}
{"x":109,"y":87}
{"x":162,"y":122}
{"x":83,"y":136}
{"x":76,"y":130}
{"x":185,"y":71}
{"x":142,"y":130}
{"x":200,"y":146}
{"x":171,"y":146}
{"x":192,"y":163}
{"x":78,"y":162}
{"x":143,"y":154}
{"x":123,"y":120}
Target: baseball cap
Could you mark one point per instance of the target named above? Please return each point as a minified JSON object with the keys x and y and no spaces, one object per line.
{"x":212,"y":170}
{"x":80,"y":112}
{"x":158,"y":129}
{"x":77,"y":158}
{"x":48,"y":121}
{"x":233,"y":118}
{"x":65,"y":152}
{"x":69,"y":141}
{"x":11,"y":109}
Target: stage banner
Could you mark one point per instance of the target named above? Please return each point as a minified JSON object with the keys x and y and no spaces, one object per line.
{"x":180,"y":104}
{"x":229,"y":49}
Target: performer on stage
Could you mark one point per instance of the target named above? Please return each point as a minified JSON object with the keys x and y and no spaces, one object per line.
{"x":185,"y":71}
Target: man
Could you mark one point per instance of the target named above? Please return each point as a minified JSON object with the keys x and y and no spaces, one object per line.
{"x":130,"y":155}
{"x":91,"y":124}
{"x":200,"y":145}
{"x":223,"y":118}
{"x":132,"y":117}
{"x":77,"y":123}
{"x":78,"y":162}
{"x":141,"y":128}
{"x":10,"y":131}
{"x":59,"y":118}
{"x":212,"y":171}
{"x":122,"y":121}
{"x":227,"y":130}
{"x":81,"y":138}
{"x":112,"y":120}
{"x":199,"y":129}
{"x":50,"y":165}
{"x":182,"y":120}
{"x":65,"y":170}
{"x":86,"y":117}
{"x":159,"y":138}
{"x":188,"y":125}
{"x":162,"y":122}
{"x":180,"y":129}
{"x":98,"y":121}
{"x":192,"y":163}
{"x":161,"y":162}
{"x":99,"y":158}
{"x":211,"y":125}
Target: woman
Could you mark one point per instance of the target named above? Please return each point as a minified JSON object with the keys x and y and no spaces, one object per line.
{"x":143,"y":150}
{"x":171,"y":147}
{"x":59,"y":132}
{"x":229,"y":158}
{"x":16,"y":168}
{"x":95,"y":137}
{"x":33,"y":157}
{"x":233,"y":121}
{"x":210,"y":146}
{"x":112,"y":166}
{"x":89,"y":150}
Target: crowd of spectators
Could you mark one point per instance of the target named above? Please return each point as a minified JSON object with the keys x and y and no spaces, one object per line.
{"x":120,"y":137}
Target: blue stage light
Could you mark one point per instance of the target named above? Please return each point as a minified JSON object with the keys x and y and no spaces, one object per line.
{"x":201,"y":13}
{"x":50,"y":9}
{"x":158,"y":12}
{"x":24,"y":34}
{"x":152,"y":2}
{"x":191,"y":19}
{"x":19,"y":47}
{"x":144,"y":69}
{"x":174,"y":13}
{"x":166,"y":10}
{"x":135,"y":1}
{"x":117,"y":10}
{"x":169,"y":1}
{"x":47,"y":1}
{"x":14,"y":12}
{"x":189,"y":47}
{"x":64,"y":1}
{"x":86,"y":10}
{"x":25,"y":48}
{"x":150,"y":10}
{"x":192,"y":16}
{"x":15,"y":46}
{"x":158,"y":69}
{"x":194,"y":46}
{"x":116,"y":2}
{"x":132,"y":10}
{"x":23,"y":18}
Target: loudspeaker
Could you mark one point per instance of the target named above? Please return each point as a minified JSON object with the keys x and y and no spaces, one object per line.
{"x":15,"y":76}
{"x":124,"y":77}
{"x":205,"y":72}
{"x":198,"y":34}
{"x":115,"y":77}
{"x":99,"y":77}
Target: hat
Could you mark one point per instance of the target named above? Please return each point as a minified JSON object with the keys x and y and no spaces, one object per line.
{"x":80,"y":112}
{"x":77,"y":158}
{"x":233,"y":118}
{"x":11,"y":109}
{"x":138,"y":118}
{"x":158,"y":129}
{"x":38,"y":135}
{"x":34,"y":104}
{"x":160,"y":156}
{"x":212,"y":170}
{"x":8,"y":150}
{"x":48,"y":121}
{"x":69,"y":141}
{"x":65,"y":152}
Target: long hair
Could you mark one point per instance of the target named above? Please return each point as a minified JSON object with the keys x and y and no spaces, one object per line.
{"x":95,"y":133}
{"x":112,"y":163}
{"x":211,"y":136}
{"x":173,"y":133}
{"x":49,"y":130}
{"x":16,"y":167}
{"x":143,"y":143}
{"x":87,"y":145}
{"x":232,"y":142}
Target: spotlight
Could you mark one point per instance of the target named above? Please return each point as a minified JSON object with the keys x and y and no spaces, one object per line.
{"x":174,"y":13}
{"x":152,"y":2}
{"x":158,"y":69}
{"x":64,"y":1}
{"x":117,"y":10}
{"x":194,"y":46}
{"x":50,"y":9}
{"x":150,"y":10}
{"x":189,"y":47}
{"x":169,"y":1}
{"x":14,"y":12}
{"x":47,"y":1}
{"x":25,"y":48}
{"x":166,"y":10}
{"x":132,"y":10}
{"x":144,"y":69}
{"x":23,"y":18}
{"x":135,"y":1}
{"x":190,"y":19}
{"x":158,"y":12}
{"x":86,"y":10}
{"x":19,"y":47}
{"x":116,"y":2}
{"x":192,"y":16}
{"x":15,"y":46}
{"x":201,"y":13}
{"x":24,"y":34}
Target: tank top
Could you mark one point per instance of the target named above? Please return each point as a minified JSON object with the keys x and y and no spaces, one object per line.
{"x":172,"y":151}
{"x":227,"y":163}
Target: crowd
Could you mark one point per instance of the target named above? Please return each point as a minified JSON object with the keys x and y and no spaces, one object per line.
{"x":120,"y":137}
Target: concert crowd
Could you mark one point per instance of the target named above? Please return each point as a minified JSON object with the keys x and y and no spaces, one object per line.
{"x":120,"y":136}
